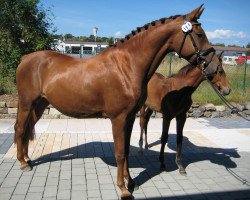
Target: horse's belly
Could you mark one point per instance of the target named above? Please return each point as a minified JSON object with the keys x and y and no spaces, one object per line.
{"x":75,"y":105}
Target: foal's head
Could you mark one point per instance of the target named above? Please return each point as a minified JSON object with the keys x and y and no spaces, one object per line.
{"x":191,"y":42}
{"x":219,"y":78}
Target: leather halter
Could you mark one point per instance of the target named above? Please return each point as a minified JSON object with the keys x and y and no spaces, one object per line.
{"x":199,"y":54}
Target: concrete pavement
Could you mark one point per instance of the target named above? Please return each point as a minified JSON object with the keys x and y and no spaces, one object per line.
{"x":74,"y":159}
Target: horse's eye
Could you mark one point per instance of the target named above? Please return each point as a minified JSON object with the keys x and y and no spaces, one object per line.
{"x":200,"y":35}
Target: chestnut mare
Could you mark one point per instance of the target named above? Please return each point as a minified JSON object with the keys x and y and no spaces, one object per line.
{"x":112,"y":84}
{"x":172,"y":97}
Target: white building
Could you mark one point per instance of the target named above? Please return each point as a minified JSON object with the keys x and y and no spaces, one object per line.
{"x":230,"y":60}
{"x":79,"y":48}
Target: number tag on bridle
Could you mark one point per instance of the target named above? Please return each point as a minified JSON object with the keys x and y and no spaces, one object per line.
{"x":186,"y":27}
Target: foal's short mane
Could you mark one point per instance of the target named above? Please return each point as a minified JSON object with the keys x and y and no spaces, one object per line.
{"x":145,"y":27}
{"x":184,"y":70}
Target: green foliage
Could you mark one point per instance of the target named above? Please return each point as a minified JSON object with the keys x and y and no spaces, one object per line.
{"x":248,"y":45}
{"x":24,"y":28}
{"x":248,"y":53}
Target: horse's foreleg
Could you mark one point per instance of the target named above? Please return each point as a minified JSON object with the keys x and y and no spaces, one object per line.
{"x":149,"y":112}
{"x":128,"y":131}
{"x":180,"y":121}
{"x":164,"y":139}
{"x":118,"y":128}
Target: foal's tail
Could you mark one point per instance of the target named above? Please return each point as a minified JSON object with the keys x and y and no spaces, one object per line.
{"x":28,"y":131}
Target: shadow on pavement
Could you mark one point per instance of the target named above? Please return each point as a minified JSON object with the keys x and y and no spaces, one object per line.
{"x":148,"y":161}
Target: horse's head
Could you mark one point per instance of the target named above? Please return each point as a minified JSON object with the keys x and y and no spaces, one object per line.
{"x":191,"y":42}
{"x":219,"y":78}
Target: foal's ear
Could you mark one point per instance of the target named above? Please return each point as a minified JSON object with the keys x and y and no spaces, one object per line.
{"x":220,"y":55}
{"x":196,"y":13}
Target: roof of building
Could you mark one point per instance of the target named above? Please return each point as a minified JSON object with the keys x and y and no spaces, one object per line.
{"x":78,"y":42}
{"x":238,"y":49}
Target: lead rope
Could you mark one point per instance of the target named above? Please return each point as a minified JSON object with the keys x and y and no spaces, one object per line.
{"x":238,"y":177}
{"x":229,"y":105}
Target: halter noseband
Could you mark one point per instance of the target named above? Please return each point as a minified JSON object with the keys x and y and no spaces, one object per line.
{"x":187,"y":29}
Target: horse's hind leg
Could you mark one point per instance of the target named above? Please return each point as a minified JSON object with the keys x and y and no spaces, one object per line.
{"x":20,"y":134}
{"x":36,"y":113}
{"x":180,"y":119}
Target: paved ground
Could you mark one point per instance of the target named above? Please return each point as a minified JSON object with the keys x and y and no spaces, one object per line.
{"x":74,"y":159}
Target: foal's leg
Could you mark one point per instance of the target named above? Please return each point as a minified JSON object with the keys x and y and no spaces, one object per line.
{"x":180,"y":119}
{"x":128,"y":131}
{"x":21,"y":136}
{"x":164,"y":139}
{"x":118,"y":129}
{"x":35,"y":115}
{"x":142,"y":125}
{"x":148,"y":113}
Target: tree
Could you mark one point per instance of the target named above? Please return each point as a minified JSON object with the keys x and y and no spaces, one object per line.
{"x":24,"y":28}
{"x":248,"y":45}
{"x":68,"y":36}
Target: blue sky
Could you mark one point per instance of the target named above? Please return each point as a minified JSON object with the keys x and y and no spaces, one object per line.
{"x":225,"y":21}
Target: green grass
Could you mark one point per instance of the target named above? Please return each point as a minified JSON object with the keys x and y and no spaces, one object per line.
{"x":204,"y":93}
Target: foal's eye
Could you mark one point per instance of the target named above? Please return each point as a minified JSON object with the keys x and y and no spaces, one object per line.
{"x":220,"y":72}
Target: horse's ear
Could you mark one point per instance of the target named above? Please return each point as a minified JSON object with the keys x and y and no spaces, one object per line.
{"x":196,"y":13}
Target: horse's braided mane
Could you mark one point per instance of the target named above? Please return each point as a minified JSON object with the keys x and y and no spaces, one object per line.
{"x":144,"y":28}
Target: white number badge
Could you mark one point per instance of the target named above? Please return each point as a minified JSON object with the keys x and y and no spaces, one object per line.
{"x":186,"y":27}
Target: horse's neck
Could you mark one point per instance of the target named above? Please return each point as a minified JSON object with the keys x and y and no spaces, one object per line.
{"x":148,"y":48}
{"x":192,"y":78}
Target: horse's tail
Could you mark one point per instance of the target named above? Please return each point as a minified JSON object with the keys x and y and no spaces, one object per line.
{"x":29,"y":131}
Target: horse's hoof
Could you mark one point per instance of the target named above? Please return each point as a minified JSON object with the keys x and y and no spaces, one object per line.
{"x":26,"y":167}
{"x":126,"y":195}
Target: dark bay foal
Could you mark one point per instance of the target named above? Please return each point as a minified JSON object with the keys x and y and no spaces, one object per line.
{"x":172,"y":97}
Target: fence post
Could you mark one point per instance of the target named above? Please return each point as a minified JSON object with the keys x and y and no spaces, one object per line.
{"x":81,"y":51}
{"x":245,"y":74}
{"x":170,"y":64}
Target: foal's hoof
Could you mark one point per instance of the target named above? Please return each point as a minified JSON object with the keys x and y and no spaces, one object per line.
{"x":183,"y":172}
{"x":126,"y":195}
{"x":26,"y":167}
